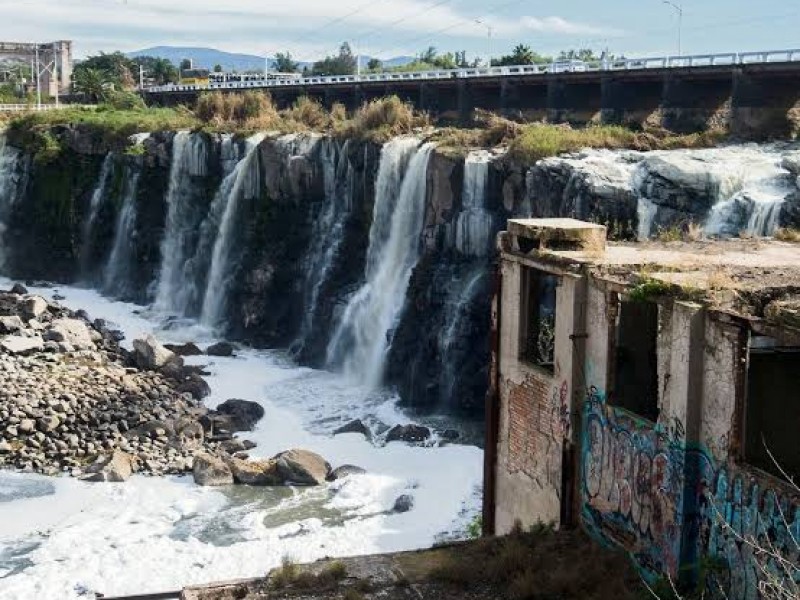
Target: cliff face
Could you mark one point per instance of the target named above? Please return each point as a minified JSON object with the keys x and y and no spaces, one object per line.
{"x":306,"y":242}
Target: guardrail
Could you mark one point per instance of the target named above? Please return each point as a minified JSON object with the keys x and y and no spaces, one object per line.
{"x":32,"y":107}
{"x":574,"y":66}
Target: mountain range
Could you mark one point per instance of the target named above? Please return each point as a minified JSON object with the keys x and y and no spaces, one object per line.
{"x":209,"y":57}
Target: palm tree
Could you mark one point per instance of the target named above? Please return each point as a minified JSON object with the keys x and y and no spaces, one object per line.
{"x":93,"y":83}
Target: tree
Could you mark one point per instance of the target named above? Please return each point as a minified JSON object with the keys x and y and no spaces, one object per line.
{"x":92,"y":83}
{"x":343,"y":63}
{"x":217,"y":68}
{"x":284,"y":63}
{"x":521,"y":55}
{"x":374,"y":64}
{"x":186,"y":63}
{"x":114,"y":69}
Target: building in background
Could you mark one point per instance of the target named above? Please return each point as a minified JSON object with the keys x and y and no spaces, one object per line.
{"x":638,"y":390}
{"x":52,"y":61}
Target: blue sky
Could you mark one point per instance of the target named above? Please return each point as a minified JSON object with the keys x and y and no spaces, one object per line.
{"x":386,"y":28}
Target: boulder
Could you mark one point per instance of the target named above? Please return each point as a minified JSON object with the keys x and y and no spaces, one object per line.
{"x":408,"y":433}
{"x":211,"y":470}
{"x":356,"y":426}
{"x":12,"y":324}
{"x":70,"y":331}
{"x":194,"y":385}
{"x":220,"y":349}
{"x":19,"y":290}
{"x":33,"y":307}
{"x":115,"y":468}
{"x":345,"y":471}
{"x":450,"y":435}
{"x":255,"y":472}
{"x":791,"y":162}
{"x":48,"y":424}
{"x":188,"y":349}
{"x":189,"y":434}
{"x":17,"y":344}
{"x":5,"y":447}
{"x":149,"y":354}
{"x":403,"y":504}
{"x":301,"y":467}
{"x":244,"y":413}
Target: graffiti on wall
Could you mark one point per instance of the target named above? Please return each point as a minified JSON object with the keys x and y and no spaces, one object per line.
{"x":664,"y":501}
{"x":633,"y":484}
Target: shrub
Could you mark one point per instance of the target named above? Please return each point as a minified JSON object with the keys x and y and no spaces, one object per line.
{"x":383,"y":118}
{"x":309,"y":113}
{"x":125,"y":101}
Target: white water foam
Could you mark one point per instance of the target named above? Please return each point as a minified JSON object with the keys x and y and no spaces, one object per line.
{"x":60,"y":538}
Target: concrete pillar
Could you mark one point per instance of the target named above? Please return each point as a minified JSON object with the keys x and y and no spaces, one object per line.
{"x":466,"y":106}
{"x":509,"y":98}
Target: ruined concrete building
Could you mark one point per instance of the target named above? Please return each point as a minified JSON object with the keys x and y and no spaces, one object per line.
{"x":641,"y":390}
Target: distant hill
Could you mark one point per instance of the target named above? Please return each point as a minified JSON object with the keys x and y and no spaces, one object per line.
{"x":208,"y":57}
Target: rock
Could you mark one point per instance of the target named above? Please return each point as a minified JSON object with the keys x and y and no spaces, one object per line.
{"x":5,"y":447}
{"x":450,"y":435}
{"x":189,"y":434}
{"x":791,"y":162}
{"x":403,"y":504}
{"x":149,"y":354}
{"x":12,"y":324}
{"x":302,"y":467}
{"x":244,"y":413}
{"x":211,"y":471}
{"x":70,"y":331}
{"x":17,"y":344}
{"x":408,"y":433}
{"x":188,"y":349}
{"x":19,"y":290}
{"x":33,"y":307}
{"x":114,"y":468}
{"x":26,"y":426}
{"x":220,"y":349}
{"x":194,"y":385}
{"x":345,"y":471}
{"x":356,"y":426}
{"x":48,"y":424}
{"x":255,"y":472}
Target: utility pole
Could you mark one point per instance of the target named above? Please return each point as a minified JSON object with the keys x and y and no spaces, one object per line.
{"x":141,"y":77}
{"x":489,"y":30}
{"x":56,"y":54}
{"x":679,"y":9}
{"x":266,"y":67}
{"x":38,"y":81}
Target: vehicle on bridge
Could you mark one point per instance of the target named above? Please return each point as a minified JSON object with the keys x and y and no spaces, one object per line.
{"x":195,"y":77}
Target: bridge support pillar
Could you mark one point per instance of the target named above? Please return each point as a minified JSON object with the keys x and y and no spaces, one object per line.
{"x":577,"y":103}
{"x":692,"y":103}
{"x":630,"y":103}
{"x":764,"y":106}
{"x":466,"y":106}
{"x":510,"y":105}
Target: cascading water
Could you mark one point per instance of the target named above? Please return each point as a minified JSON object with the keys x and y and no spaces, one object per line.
{"x":242,"y":184}
{"x":475,"y":223}
{"x":194,"y":274}
{"x":455,"y":316}
{"x":117,"y":273}
{"x":363,"y":335}
{"x":10,"y":184}
{"x":327,"y":234}
{"x":754,"y":208}
{"x":98,"y":197}
{"x":189,"y":159}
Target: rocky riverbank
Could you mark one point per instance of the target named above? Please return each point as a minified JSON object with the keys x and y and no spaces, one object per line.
{"x":73,"y":400}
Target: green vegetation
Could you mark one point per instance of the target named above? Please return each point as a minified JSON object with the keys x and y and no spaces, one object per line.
{"x":290,"y":575}
{"x":650,"y":289}
{"x":98,"y":76}
{"x":343,"y":63}
{"x":522,"y":55}
{"x":475,"y":528}
{"x":283,"y":63}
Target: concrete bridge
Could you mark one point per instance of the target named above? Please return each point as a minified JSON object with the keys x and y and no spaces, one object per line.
{"x":754,"y":92}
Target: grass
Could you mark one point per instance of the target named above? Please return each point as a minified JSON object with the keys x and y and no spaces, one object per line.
{"x":788,"y":234}
{"x":290,"y":575}
{"x":377,"y":120}
{"x":539,"y":565}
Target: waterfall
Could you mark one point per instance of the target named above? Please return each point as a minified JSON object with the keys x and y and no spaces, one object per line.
{"x":117,"y":278}
{"x":475,"y":223}
{"x":189,"y":159}
{"x":646,"y":211}
{"x":456,"y":311}
{"x":364,"y":333}
{"x":242,"y":183}
{"x":11,"y":182}
{"x":193,"y":275}
{"x":754,"y":209}
{"x":98,"y":196}
{"x":327,"y":231}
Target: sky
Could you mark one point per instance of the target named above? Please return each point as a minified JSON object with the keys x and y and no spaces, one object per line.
{"x":310,"y":29}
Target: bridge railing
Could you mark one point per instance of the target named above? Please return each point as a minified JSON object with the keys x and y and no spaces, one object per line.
{"x":31,"y":107}
{"x":571,"y":66}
